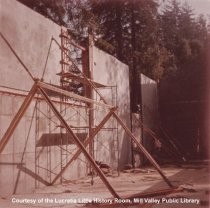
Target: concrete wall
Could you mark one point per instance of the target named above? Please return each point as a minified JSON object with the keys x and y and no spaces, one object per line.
{"x":149,"y":109}
{"x":29,"y":34}
{"x":149,"y":105}
{"x":39,"y":164}
{"x":111,"y":72}
{"x":137,"y":132}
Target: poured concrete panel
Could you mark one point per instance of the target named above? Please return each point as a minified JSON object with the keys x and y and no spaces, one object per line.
{"x":38,"y":164}
{"x":149,"y":109}
{"x":137,"y":132}
{"x":29,"y":34}
{"x":109,"y":71}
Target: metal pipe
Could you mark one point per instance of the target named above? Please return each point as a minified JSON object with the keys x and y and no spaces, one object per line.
{"x":79,"y":144}
{"x":86,"y":142}
{"x":144,"y":151}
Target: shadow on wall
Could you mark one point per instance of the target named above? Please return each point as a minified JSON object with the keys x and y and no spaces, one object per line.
{"x":119,"y":76}
{"x":125,"y":152}
{"x":184,"y":120}
{"x":149,"y":98}
{"x":111,"y":72}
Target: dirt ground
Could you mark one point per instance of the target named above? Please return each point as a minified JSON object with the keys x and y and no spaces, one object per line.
{"x":192,"y":180}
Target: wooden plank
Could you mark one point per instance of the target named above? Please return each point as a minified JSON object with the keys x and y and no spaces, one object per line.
{"x":33,"y":175}
{"x":143,"y":150}
{"x":79,"y":144}
{"x":71,"y":94}
{"x":86,"y":143}
{"x":78,"y":78}
{"x":132,"y":137}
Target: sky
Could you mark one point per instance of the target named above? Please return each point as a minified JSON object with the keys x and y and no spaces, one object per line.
{"x":198,"y":6}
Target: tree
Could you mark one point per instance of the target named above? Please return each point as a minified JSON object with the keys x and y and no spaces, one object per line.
{"x":51,"y":9}
{"x":75,"y":15}
{"x":132,"y":28}
{"x":110,"y":17}
{"x":184,"y":36}
{"x":182,"y":91}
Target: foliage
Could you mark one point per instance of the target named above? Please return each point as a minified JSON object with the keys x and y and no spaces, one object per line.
{"x":168,"y":46}
{"x":51,"y":9}
{"x":185,"y":36}
{"x":132,"y":28}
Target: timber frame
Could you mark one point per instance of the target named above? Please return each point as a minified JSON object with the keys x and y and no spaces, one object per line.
{"x":40,"y":87}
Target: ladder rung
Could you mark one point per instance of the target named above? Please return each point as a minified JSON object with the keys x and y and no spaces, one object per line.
{"x":62,"y":35}
{"x":64,"y":48}
{"x":68,"y":37}
{"x":66,"y":63}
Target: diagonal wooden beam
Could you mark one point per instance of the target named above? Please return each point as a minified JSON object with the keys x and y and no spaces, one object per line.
{"x":16,"y":55}
{"x":131,"y":136}
{"x":33,"y":175}
{"x":53,"y":88}
{"x":17,"y":118}
{"x":86,"y":143}
{"x":142,"y":149}
{"x":79,"y":144}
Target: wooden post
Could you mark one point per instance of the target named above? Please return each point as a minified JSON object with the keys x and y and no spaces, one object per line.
{"x":86,"y":143}
{"x":143,"y":150}
{"x":79,"y":144}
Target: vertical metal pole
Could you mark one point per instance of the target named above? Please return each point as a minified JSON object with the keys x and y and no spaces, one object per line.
{"x":118,"y":142}
{"x":79,"y":144}
{"x":144,"y":151}
{"x":49,"y":146}
{"x":36,"y":140}
{"x":86,"y":143}
{"x":91,"y":111}
{"x":135,"y":140}
{"x":63,"y":70}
